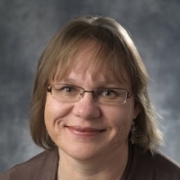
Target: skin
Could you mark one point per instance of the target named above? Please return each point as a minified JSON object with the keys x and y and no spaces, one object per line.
{"x":92,"y":138}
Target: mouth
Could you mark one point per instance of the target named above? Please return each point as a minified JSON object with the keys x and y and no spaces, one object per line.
{"x":85,"y":131}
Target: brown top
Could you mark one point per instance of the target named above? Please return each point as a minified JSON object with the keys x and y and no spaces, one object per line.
{"x":141,"y":166}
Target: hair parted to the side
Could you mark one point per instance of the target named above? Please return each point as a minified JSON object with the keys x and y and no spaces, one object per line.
{"x":115,"y":50}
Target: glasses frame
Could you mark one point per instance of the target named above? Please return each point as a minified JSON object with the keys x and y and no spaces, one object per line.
{"x":128,"y":94}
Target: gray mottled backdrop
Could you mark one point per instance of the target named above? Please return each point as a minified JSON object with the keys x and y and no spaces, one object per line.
{"x":27,"y":26}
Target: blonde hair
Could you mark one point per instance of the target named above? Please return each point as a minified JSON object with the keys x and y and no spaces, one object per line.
{"x":115,"y":50}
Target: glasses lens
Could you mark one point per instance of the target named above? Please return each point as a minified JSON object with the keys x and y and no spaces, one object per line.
{"x":111,"y":96}
{"x":66,"y":93}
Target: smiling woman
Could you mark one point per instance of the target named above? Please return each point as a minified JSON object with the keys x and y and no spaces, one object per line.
{"x":91,"y":110}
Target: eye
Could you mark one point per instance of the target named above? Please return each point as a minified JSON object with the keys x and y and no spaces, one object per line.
{"x":65,"y":88}
{"x":107,"y":93}
{"x":68,"y":89}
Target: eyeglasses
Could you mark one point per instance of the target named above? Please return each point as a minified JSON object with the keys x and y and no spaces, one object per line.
{"x":71,"y":93}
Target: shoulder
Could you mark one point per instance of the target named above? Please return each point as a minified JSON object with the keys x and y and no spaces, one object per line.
{"x":27,"y":169}
{"x":159,"y":165}
{"x":165,"y":165}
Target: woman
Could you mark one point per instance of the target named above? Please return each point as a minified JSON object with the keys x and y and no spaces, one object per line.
{"x":91,"y":110}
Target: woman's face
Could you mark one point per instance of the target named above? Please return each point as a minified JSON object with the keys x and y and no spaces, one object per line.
{"x":87,"y":129}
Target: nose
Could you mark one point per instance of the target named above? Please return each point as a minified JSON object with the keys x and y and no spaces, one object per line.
{"x":87,"y":108}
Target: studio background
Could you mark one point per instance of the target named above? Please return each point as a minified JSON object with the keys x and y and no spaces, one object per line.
{"x":27,"y":26}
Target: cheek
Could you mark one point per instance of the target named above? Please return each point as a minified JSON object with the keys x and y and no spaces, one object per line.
{"x":54,"y":113}
{"x":120,"y":118}
{"x":120,"y":114}
{"x":122,"y":125}
{"x":55,"y":109}
{"x":50,"y":112}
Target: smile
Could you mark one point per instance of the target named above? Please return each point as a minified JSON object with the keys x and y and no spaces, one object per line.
{"x":84,"y":131}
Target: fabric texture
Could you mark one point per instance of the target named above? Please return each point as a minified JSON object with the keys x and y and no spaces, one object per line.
{"x":141,"y":166}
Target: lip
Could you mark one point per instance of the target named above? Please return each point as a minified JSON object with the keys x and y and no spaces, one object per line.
{"x":85,"y":131}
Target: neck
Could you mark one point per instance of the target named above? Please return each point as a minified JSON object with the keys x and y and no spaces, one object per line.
{"x":105,"y":168}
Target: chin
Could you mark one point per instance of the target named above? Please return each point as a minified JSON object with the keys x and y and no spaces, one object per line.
{"x":81,"y":153}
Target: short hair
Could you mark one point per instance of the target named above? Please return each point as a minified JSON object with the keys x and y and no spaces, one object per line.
{"x":115,"y":50}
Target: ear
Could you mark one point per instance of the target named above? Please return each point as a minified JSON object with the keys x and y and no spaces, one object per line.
{"x":137,"y":110}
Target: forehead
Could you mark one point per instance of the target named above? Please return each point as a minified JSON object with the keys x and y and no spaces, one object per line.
{"x":95,"y":58}
{"x":86,"y":81}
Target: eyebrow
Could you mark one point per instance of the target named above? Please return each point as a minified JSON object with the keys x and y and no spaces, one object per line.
{"x":99,"y":83}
